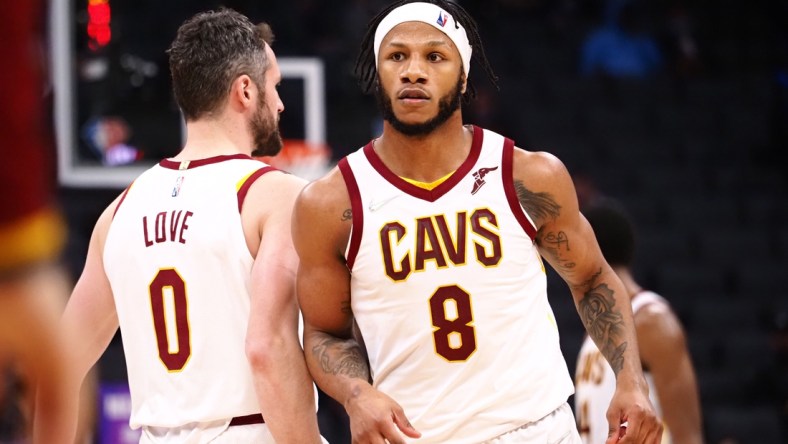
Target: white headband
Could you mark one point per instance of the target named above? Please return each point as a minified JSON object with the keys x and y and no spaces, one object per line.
{"x":431,"y":15}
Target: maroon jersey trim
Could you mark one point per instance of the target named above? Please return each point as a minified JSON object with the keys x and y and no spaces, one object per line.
{"x":511,"y":193}
{"x":244,"y":189}
{"x":356,"y":208}
{"x":247,"y":420}
{"x":440,"y":190}
{"x":176,"y":164}
{"x":122,"y":198}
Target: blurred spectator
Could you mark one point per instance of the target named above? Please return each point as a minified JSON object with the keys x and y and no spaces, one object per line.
{"x":680,"y":44}
{"x":623,"y":46}
{"x":779,"y":107}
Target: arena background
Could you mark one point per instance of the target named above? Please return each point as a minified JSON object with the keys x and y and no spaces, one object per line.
{"x":693,"y":146}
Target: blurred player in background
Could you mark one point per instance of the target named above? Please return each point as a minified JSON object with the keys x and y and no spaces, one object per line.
{"x":33,"y":286}
{"x":663,"y":349}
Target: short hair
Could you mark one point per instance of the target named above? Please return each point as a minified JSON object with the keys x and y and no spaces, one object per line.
{"x":614,"y":230}
{"x":210,"y":50}
{"x":367,"y":71}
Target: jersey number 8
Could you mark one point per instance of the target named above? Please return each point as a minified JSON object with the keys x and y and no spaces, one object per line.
{"x":455,"y":338}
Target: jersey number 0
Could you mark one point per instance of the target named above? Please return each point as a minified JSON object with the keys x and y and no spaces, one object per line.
{"x":168,"y":280}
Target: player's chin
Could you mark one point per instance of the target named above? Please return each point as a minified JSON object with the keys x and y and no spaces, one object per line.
{"x":416,"y":117}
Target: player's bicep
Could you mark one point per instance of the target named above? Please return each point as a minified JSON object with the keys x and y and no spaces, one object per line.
{"x":325,"y":299}
{"x":273,"y":279}
{"x":320,"y":228}
{"x":569,"y":245}
{"x":564,"y":238}
{"x":90,"y":319}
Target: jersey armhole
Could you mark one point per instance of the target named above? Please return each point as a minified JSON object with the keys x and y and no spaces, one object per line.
{"x":122,"y":198}
{"x":356,"y":208}
{"x":511,"y":194}
{"x":246,"y":183}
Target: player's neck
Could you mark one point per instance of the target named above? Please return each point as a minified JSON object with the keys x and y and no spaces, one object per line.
{"x":214,"y":137}
{"x":425,"y":158}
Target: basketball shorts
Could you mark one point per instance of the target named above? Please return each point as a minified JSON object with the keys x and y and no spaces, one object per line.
{"x":556,"y":428}
{"x":210,"y":433}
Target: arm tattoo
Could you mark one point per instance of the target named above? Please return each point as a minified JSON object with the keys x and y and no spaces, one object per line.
{"x":347,"y":215}
{"x":555,"y":245}
{"x":346,"y":309}
{"x":341,"y":357}
{"x":604,"y":324}
{"x":540,"y":206}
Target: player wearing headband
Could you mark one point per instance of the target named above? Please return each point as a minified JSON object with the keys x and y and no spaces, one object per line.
{"x":428,"y":240}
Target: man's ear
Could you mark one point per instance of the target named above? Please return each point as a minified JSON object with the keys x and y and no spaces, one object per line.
{"x":464,"y":83}
{"x":242,"y":91}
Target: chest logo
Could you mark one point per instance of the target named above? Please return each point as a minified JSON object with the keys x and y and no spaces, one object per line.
{"x":478,"y":177}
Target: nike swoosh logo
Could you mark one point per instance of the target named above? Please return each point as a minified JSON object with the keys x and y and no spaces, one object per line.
{"x":376,"y":205}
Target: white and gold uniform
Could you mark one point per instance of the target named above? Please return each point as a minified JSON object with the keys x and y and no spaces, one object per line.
{"x":595,"y":384}
{"x":449,"y":294}
{"x":179,"y":267}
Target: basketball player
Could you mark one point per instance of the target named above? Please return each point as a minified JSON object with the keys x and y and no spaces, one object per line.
{"x":429,"y":238}
{"x":663,"y":349}
{"x":33,"y":286}
{"x":194,"y":261}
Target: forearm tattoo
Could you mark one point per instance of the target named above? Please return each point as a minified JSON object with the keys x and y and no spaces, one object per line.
{"x":347,"y":215}
{"x":341,"y":357}
{"x":604,"y":323}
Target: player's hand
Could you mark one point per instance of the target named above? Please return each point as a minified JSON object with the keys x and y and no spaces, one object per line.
{"x":631,"y":419}
{"x":375,"y":418}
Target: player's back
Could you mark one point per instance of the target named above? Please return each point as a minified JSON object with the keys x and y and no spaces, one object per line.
{"x":179,"y":267}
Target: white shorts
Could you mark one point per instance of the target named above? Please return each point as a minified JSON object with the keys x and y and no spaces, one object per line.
{"x":209,"y":433}
{"x":556,"y":428}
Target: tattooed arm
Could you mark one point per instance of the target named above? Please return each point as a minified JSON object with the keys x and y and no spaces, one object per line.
{"x":565,"y":239}
{"x":322,"y":221}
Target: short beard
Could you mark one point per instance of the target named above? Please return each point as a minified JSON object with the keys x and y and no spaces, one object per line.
{"x":265,"y":132}
{"x":447,"y":105}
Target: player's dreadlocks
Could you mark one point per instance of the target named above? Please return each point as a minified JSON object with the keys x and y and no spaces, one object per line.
{"x":365,"y":67}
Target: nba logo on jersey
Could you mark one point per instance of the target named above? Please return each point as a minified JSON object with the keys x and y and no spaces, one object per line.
{"x":442,"y":19}
{"x":177,"y":188}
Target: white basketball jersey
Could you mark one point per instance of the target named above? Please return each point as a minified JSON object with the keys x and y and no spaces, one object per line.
{"x":449,"y":293}
{"x":180,"y":268}
{"x":595,"y":384}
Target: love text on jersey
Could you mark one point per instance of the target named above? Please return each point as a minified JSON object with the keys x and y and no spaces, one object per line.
{"x":166,"y":226}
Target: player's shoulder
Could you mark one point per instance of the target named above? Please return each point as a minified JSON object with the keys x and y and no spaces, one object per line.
{"x":654,"y":313}
{"x":273,"y":193}
{"x":101,"y":228}
{"x":537,"y":165}
{"x":275,"y":180}
{"x":323,"y":216}
{"x":328,"y":192}
{"x":649,"y":302}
